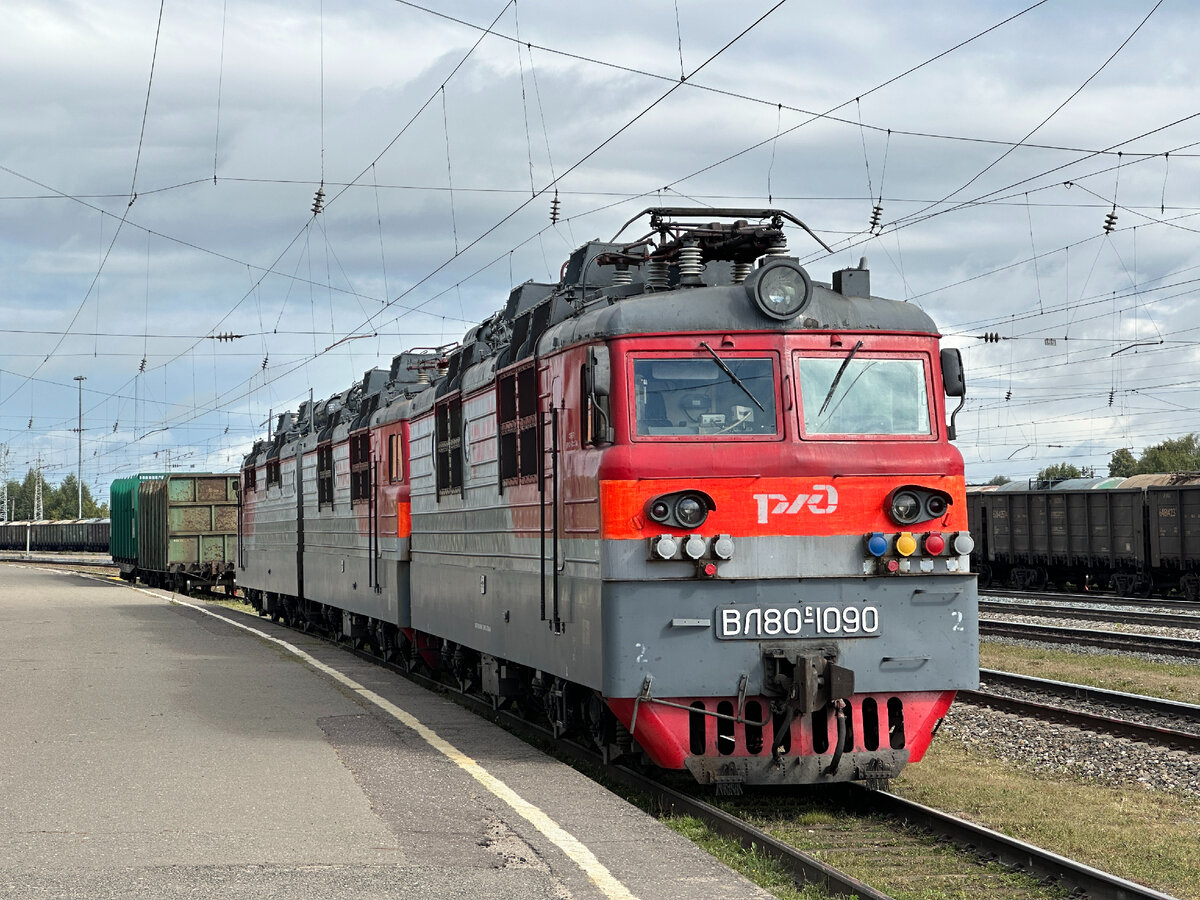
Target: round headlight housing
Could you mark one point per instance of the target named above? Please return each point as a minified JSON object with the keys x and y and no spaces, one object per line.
{"x":780,"y":289}
{"x":906,"y":507}
{"x":690,"y":511}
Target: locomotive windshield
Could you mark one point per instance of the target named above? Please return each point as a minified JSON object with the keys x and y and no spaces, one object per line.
{"x":853,"y":394}
{"x":719,"y":395}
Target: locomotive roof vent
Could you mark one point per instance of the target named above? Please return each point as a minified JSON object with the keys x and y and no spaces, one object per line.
{"x":853,"y":282}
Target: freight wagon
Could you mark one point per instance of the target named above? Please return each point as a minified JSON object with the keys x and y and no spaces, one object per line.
{"x":68,"y":535}
{"x":1134,"y":536}
{"x":176,"y":531}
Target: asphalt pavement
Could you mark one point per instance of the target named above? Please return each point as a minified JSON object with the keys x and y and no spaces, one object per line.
{"x":150,"y":749}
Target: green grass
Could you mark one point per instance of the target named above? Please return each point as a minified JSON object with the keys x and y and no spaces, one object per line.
{"x":1171,"y":681}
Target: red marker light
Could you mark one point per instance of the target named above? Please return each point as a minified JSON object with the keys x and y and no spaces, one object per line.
{"x":934,"y":544}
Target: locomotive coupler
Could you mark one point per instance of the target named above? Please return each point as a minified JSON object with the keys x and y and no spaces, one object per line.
{"x":805,"y":682}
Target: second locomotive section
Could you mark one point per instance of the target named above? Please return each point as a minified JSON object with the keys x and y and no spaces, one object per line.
{"x":720,"y":520}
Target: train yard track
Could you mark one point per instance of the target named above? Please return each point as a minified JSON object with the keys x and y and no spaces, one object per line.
{"x":1094,"y":599}
{"x":1148,"y":618}
{"x":1164,"y":723}
{"x":1122,"y":641}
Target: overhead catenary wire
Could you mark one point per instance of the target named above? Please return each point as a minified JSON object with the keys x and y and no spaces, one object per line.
{"x":460,"y":188}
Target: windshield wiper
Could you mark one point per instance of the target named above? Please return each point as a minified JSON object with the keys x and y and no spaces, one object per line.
{"x":732,"y":377}
{"x":838,"y":377}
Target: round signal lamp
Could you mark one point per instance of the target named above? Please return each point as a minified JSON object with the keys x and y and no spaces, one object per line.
{"x":934,"y":544}
{"x":906,"y":544}
{"x":666,"y":546}
{"x":963,"y":543}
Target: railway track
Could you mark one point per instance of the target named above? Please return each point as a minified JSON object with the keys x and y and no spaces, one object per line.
{"x":1149,"y":618}
{"x":1175,"y":725}
{"x":1092,"y":599}
{"x":1122,"y":641}
{"x":89,"y":562}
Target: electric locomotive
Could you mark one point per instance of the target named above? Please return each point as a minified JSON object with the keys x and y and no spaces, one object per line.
{"x":686,"y":500}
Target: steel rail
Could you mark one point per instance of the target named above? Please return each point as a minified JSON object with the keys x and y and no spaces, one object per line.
{"x":19,"y":557}
{"x":1109,"y":640}
{"x":1091,"y":598}
{"x":1089,"y":721}
{"x":1091,"y":614}
{"x":1096,"y":884}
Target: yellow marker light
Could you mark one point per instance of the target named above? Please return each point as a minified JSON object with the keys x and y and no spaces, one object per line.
{"x":906,"y":544}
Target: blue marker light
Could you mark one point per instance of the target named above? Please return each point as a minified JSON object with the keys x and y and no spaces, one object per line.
{"x":877,"y":544}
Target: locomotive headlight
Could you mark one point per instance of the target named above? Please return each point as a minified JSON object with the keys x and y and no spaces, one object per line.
{"x":935,"y":505}
{"x":660,"y":510}
{"x":906,"y":507}
{"x":690,"y":511}
{"x":780,"y":289}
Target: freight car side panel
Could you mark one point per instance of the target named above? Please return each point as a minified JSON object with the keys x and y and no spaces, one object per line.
{"x":1174,"y":522}
{"x":187,"y":521}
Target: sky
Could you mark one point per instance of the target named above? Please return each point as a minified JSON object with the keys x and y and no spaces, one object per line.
{"x":160,"y":162}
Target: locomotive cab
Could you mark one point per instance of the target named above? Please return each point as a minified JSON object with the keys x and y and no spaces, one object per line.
{"x":786,"y":594}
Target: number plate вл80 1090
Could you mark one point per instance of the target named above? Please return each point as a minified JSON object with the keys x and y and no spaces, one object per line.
{"x":756,"y":622}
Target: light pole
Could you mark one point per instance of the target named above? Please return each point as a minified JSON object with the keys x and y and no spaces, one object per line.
{"x":79,"y":472}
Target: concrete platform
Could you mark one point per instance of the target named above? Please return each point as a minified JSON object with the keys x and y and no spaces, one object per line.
{"x":150,"y":749}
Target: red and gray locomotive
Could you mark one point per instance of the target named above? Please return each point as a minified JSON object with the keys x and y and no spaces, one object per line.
{"x":686,"y":500}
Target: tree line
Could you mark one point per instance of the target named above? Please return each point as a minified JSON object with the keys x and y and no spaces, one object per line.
{"x":1173,"y":455}
{"x":60,"y":502}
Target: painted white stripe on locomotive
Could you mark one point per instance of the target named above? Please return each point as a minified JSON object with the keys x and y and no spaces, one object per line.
{"x":599,"y":875}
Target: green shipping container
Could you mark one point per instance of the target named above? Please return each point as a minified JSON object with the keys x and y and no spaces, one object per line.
{"x":187,"y":522}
